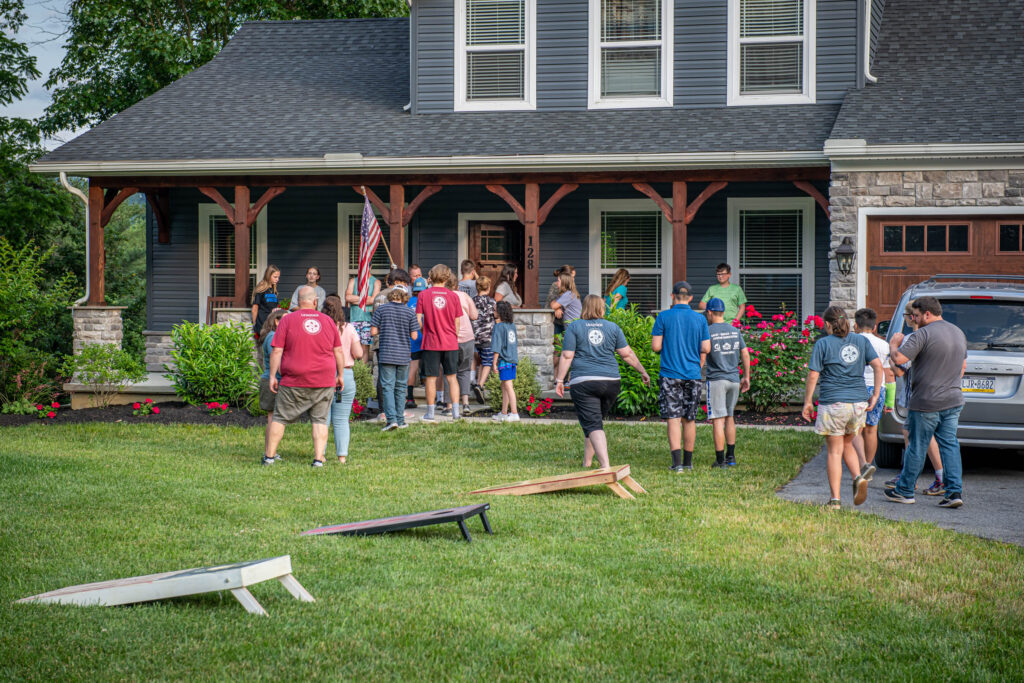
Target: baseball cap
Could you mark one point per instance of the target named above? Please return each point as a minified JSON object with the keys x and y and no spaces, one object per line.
{"x":715,"y":304}
{"x":419,"y":285}
{"x":681,"y":287}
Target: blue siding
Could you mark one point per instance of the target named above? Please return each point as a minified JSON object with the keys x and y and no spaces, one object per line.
{"x":700,"y":53}
{"x":877,"y":10}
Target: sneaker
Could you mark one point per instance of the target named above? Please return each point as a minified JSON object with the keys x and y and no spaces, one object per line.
{"x":381,"y":417}
{"x":268,"y":461}
{"x":675,"y":468}
{"x":869,"y":471}
{"x":936,"y":489}
{"x":730,"y":461}
{"x":720,"y":463}
{"x":390,"y":426}
{"x":409,"y":403}
{"x":833,"y":504}
{"x":512,"y":417}
{"x":446,"y":412}
{"x":952,"y":501}
{"x":499,"y":417}
{"x":860,"y":490}
{"x":684,"y":468}
{"x":478,"y":393}
{"x":317,"y":463}
{"x":277,"y":456}
{"x":891,"y":483}
{"x":430,"y":420}
{"x":403,"y":426}
{"x":897,"y":498}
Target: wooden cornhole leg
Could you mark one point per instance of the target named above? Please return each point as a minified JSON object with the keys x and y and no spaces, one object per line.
{"x":632,"y":483}
{"x":248,"y":601}
{"x":295,"y":588}
{"x":619,"y":491}
{"x":465,"y":531}
{"x":487,"y":525}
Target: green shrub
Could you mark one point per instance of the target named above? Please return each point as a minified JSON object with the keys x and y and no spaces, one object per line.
{"x":19,"y":407}
{"x":105,"y":369}
{"x":635,"y":398}
{"x":366,"y":388}
{"x":525,"y":385}
{"x":213,"y":363}
{"x":779,"y":351}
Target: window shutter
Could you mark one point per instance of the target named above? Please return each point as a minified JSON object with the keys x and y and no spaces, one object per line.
{"x":631,"y":239}
{"x":771,"y":18}
{"x":631,"y":20}
{"x":495,"y":22}
{"x":771,"y":239}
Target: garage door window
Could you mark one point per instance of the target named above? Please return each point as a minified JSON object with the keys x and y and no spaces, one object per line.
{"x":1010,"y":236}
{"x":946,"y":238}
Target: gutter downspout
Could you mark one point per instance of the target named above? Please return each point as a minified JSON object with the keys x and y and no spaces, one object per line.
{"x":867,"y":44}
{"x":85,"y":200}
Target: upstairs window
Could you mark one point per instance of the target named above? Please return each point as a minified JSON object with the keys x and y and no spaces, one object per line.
{"x":630,"y":53}
{"x":494,"y":55}
{"x":771,"y":51}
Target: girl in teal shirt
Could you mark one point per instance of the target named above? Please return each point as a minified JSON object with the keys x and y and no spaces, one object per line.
{"x":615,"y":295}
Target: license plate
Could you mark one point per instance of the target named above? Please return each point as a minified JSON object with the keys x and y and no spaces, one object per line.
{"x":978,"y":385}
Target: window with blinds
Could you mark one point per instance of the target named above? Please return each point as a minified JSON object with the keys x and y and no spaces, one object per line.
{"x":771,"y":240}
{"x":770,"y":51}
{"x":632,"y":240}
{"x":379,"y":266}
{"x":631,"y":48}
{"x":222,"y":257}
{"x":495,"y":50}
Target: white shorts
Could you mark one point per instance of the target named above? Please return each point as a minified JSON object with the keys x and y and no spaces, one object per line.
{"x":840,"y":419}
{"x":721,"y":398}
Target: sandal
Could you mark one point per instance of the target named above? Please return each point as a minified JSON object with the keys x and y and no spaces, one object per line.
{"x":833,"y":504}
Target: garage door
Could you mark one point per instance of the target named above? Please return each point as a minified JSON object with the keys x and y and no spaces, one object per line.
{"x":903,"y":251}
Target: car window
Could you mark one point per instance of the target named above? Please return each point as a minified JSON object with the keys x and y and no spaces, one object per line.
{"x":987,"y":323}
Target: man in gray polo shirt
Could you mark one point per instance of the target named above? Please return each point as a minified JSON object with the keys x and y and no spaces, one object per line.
{"x":939,"y":352}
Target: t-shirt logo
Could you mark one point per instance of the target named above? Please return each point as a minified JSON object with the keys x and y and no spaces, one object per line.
{"x":440,"y":302}
{"x":727,"y":346}
{"x":311,"y":326}
{"x":511,"y":336}
{"x":849,"y":353}
{"x":595,"y":337}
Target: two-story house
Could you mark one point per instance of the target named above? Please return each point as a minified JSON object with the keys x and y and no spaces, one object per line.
{"x":661,"y":136}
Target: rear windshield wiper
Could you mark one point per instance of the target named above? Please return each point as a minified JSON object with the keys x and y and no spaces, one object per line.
{"x":1004,"y":345}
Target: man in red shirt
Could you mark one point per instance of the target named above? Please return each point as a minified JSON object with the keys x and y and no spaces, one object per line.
{"x":439,"y":310}
{"x":307,"y":353}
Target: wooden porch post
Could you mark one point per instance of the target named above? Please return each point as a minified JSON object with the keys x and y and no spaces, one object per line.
{"x":97,"y":256}
{"x":679,"y":231}
{"x":396,"y":207}
{"x":531,"y":236}
{"x":239,"y":219}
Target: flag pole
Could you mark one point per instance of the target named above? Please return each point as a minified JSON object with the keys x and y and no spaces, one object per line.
{"x":382,"y":240}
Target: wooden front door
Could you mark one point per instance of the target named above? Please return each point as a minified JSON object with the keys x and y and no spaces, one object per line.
{"x":492,"y":245}
{"x":903,"y":251}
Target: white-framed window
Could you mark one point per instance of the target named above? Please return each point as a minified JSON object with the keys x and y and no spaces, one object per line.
{"x":771,"y":251}
{"x":217,"y":254}
{"x":771,"y":55}
{"x":631,"y":234}
{"x":350,"y":217}
{"x":495,"y":55}
{"x":630,"y":53}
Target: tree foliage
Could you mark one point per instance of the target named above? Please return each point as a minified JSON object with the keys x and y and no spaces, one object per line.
{"x":121,"y":51}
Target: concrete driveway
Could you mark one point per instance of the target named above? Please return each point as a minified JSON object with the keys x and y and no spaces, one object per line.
{"x":993,"y":495}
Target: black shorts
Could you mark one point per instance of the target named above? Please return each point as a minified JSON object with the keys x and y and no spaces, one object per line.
{"x":436,"y":361}
{"x":679,"y":398}
{"x":593,"y":399}
{"x":416,"y":355}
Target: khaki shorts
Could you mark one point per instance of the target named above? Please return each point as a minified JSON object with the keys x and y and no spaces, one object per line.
{"x":293,"y":402}
{"x":840,"y":419}
{"x":267,"y":397}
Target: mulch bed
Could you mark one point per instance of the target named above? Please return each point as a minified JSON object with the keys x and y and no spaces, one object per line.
{"x":177,"y":412}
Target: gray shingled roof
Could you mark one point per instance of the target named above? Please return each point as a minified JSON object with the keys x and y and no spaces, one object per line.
{"x":949,"y":71}
{"x":307,"y":88}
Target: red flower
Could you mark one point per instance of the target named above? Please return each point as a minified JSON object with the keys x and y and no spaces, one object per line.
{"x":148,"y":400}
{"x":806,"y":333}
{"x":55,"y":405}
{"x":51,"y":414}
{"x":764,"y":335}
{"x":156,"y":411}
{"x":136,"y":406}
{"x":754,"y":361}
{"x":39,"y":406}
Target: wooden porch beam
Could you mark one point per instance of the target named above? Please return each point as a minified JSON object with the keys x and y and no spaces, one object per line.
{"x":658,"y":199}
{"x":510,"y":200}
{"x":531,"y":225}
{"x":396,"y":240}
{"x":542,"y":217}
{"x":110,"y":205}
{"x":695,"y":205}
{"x":97,"y":256}
{"x":216,"y":196}
{"x":810,"y":189}
{"x":679,"y":231}
{"x":269,"y":194}
{"x":424,"y":194}
{"x":160,"y":203}
{"x":376,"y":201}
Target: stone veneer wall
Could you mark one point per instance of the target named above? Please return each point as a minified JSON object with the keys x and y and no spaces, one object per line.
{"x":849,"y":191}
{"x":96,"y":325}
{"x":158,"y":350}
{"x":536,"y":328}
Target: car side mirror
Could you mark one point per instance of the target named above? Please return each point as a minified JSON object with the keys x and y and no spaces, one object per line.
{"x":883,"y":328}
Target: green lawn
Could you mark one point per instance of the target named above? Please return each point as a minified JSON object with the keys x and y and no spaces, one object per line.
{"x":710,"y":576}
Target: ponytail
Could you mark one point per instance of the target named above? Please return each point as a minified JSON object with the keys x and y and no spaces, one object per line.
{"x":835,"y":316}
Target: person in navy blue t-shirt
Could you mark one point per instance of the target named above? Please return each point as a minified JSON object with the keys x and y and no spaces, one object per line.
{"x":681,"y":336}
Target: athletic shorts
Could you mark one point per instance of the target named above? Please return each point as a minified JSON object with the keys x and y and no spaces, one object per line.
{"x":293,"y":402}
{"x":416,"y":355}
{"x":506,"y":371}
{"x":839,"y":419}
{"x":440,"y":362}
{"x":722,"y":395}
{"x":363,"y":328}
{"x":678,"y":398}
{"x":486,"y":356}
{"x":267,"y":397}
{"x":593,"y":400}
{"x":872,"y":417}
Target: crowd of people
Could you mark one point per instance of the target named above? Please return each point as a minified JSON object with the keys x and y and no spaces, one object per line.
{"x":452,"y":332}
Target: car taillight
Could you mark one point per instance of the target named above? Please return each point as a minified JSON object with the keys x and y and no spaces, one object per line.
{"x":978,"y":296}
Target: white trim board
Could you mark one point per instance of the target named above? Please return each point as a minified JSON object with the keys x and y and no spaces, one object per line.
{"x":206,"y":211}
{"x":667,"y":42}
{"x":857,"y":155}
{"x":807,"y":269}
{"x":596,"y":206}
{"x":462,"y":231}
{"x":862,"y":231}
{"x":529,"y":101}
{"x":809,"y":94}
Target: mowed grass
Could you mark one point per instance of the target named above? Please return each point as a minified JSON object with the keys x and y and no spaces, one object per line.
{"x":710,"y":576}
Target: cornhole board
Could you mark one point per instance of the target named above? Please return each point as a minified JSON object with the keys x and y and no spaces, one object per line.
{"x":386,"y":524}
{"x":232,"y":577}
{"x":613,"y":477}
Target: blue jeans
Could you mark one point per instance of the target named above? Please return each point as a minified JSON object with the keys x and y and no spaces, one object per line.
{"x":341,"y":412}
{"x":922,"y":426}
{"x":393,"y":380}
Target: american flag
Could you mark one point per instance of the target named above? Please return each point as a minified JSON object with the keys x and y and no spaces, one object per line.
{"x":369,"y":238}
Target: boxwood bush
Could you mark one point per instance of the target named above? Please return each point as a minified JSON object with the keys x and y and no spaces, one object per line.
{"x":525,"y":384}
{"x":213,"y":363}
